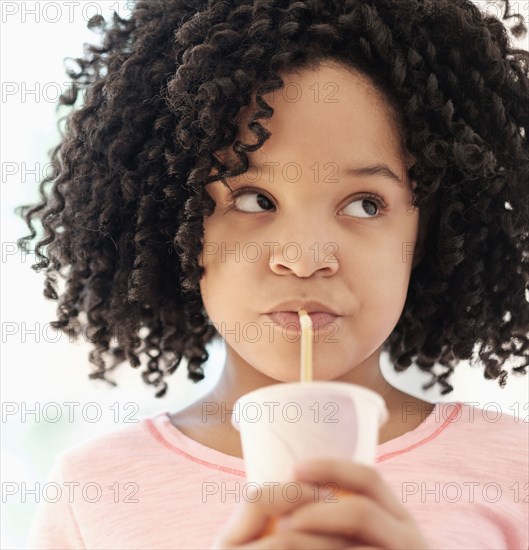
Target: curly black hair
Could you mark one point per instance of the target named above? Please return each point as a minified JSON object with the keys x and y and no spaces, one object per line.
{"x":123,"y":216}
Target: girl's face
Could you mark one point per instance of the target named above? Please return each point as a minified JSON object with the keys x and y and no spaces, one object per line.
{"x":307,"y":230}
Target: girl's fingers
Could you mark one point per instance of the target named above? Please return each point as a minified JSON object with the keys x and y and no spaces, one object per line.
{"x":352,"y":517}
{"x":357,"y":478}
{"x":371,"y":504}
{"x":293,"y":540}
{"x":251,"y":519}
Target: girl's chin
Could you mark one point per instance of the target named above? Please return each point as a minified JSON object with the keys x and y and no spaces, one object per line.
{"x":294,"y":374}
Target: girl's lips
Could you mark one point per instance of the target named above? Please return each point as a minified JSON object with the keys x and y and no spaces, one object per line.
{"x":290,"y":319}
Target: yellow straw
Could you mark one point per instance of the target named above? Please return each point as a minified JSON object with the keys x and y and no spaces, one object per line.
{"x":306,"y":345}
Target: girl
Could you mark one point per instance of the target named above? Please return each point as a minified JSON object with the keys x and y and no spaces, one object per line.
{"x":236,"y":161}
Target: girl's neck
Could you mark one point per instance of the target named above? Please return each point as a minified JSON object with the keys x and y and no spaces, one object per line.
{"x":239,"y":378}
{"x":207,"y":420}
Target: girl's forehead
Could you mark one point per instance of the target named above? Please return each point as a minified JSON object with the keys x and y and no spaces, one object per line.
{"x":357,"y":113}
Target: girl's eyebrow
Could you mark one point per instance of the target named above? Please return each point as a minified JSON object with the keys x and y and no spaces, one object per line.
{"x":374,"y":170}
{"x":356,"y":171}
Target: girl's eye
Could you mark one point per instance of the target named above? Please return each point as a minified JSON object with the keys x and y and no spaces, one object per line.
{"x":242,"y":200}
{"x":366,"y":203}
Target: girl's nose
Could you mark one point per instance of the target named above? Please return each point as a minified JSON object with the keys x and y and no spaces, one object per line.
{"x":304,"y":259}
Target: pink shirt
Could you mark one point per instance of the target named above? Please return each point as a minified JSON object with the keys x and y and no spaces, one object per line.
{"x":462,"y":473}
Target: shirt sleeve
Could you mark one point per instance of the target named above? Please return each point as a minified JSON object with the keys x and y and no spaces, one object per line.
{"x":54,"y":524}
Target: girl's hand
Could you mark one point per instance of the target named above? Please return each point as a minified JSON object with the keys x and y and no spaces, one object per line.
{"x":372,"y":514}
{"x":248,"y":528}
{"x":370,"y":518}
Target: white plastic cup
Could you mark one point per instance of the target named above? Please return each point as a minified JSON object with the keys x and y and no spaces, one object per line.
{"x":284,"y":424}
